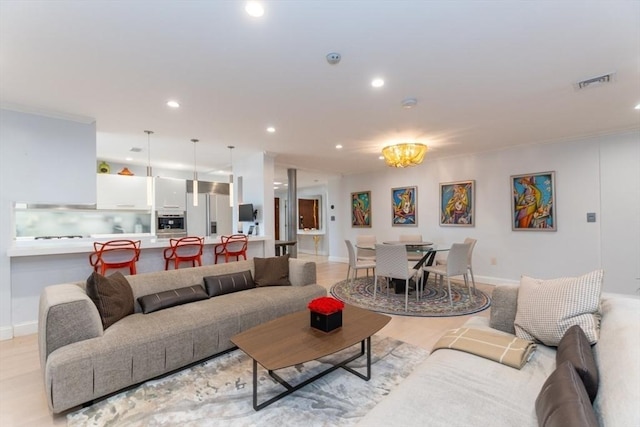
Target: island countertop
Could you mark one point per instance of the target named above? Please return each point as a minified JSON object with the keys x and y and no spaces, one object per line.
{"x":31,"y":247}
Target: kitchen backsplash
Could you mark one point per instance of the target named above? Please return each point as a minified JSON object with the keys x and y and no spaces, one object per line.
{"x":38,"y":222}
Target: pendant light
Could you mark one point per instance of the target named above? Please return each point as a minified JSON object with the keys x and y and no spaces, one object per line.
{"x":231,"y":147}
{"x":195,"y":175}
{"x":149,"y":172}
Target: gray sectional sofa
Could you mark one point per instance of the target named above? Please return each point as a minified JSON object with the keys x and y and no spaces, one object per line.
{"x":457,"y":389}
{"x":81,"y":361}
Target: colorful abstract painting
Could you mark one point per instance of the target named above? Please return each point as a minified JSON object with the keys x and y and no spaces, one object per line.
{"x":457,"y":204}
{"x":404,"y":202}
{"x":361,"y":209}
{"x":533,"y":202}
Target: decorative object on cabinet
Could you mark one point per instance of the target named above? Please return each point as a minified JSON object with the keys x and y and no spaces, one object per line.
{"x":104,"y":167}
{"x":404,"y":202}
{"x":125,"y":171}
{"x":533,"y":201}
{"x":361,"y":209}
{"x":457,"y":203}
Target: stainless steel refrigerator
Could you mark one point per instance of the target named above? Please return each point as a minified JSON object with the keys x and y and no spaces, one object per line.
{"x":212,"y":216}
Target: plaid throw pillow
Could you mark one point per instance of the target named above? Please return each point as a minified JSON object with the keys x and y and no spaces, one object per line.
{"x":548,"y":308}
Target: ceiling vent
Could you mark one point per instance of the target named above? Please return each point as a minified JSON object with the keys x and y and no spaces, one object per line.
{"x":596,"y":81}
{"x":135,"y":149}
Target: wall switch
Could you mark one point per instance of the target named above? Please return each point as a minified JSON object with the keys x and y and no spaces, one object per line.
{"x":333,"y":217}
{"x":591,"y":217}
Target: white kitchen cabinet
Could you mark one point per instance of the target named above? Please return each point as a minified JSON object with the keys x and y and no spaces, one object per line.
{"x":121,"y":192}
{"x":171,"y":194}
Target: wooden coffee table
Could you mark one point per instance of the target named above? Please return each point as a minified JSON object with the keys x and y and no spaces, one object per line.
{"x":289,"y":340}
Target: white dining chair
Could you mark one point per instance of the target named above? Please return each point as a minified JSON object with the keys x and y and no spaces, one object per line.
{"x":363,"y":253}
{"x":456,"y":265}
{"x":472,"y":243}
{"x":355,"y":265}
{"x":392,"y":263}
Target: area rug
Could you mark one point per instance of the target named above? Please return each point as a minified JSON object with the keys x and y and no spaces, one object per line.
{"x":433,"y":303}
{"x":219,"y":391}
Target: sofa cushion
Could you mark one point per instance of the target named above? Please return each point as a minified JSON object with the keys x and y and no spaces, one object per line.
{"x":228,"y":283}
{"x":112,"y":296}
{"x":272,"y":271}
{"x":574,"y":347}
{"x":563,"y":400}
{"x":548,"y":308}
{"x":504,"y":303}
{"x":166,"y":299}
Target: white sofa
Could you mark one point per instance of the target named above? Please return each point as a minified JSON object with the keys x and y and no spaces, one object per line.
{"x":452,"y":388}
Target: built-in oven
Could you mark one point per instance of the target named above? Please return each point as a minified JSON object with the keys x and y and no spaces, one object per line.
{"x":171,"y":225}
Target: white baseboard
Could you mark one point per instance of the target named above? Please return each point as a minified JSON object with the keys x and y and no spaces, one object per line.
{"x":26,"y":328}
{"x":6,"y":333}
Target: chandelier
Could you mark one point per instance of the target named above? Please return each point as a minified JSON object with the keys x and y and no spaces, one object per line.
{"x":404,"y":154}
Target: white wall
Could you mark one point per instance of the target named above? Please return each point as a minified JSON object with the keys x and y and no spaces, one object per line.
{"x":572,"y":250}
{"x":42,"y":159}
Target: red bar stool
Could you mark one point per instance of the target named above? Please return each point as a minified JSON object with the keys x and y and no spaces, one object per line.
{"x":185,"y":249}
{"x":231,"y":246}
{"x":115,"y":254}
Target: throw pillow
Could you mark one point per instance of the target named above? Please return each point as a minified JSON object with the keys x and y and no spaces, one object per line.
{"x":574,"y":347}
{"x":563,"y":401}
{"x":272,"y":271}
{"x":548,"y":308}
{"x":504,"y":303}
{"x":172,"y":298}
{"x":112,"y":296}
{"x":228,"y":283}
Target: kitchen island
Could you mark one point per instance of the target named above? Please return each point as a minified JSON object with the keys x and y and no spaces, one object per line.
{"x":39,"y":263}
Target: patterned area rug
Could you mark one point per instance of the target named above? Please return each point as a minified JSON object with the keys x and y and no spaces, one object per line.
{"x":219,"y":393}
{"x":433,"y":303}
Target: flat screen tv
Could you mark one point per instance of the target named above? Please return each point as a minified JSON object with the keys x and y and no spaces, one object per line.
{"x":245,"y":212}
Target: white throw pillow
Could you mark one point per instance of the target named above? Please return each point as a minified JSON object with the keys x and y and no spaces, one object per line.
{"x":548,"y":308}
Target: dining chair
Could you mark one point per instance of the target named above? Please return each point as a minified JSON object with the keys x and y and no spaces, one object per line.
{"x":413,"y":255}
{"x":456,"y":266}
{"x":115,"y":254}
{"x":472,"y":243}
{"x":355,"y":265}
{"x":234,"y":245}
{"x":185,"y":249}
{"x":363,"y":253}
{"x":392,"y":263}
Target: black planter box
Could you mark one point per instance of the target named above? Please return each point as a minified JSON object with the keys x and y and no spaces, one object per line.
{"x":326,"y":322}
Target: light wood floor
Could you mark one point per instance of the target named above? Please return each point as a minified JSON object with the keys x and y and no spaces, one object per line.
{"x":22,"y":398}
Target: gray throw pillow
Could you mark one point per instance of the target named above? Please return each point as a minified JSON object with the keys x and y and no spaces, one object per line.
{"x":574,"y":347}
{"x":272,"y":271}
{"x":504,"y":305}
{"x":172,"y":298}
{"x":112,"y":296}
{"x":228,"y":283}
{"x":563,"y":401}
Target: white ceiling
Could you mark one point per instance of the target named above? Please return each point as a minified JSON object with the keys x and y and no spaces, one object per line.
{"x":487,"y":75}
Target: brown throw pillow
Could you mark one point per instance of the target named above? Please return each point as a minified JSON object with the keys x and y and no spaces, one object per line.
{"x":112,"y":296}
{"x":166,"y":299}
{"x":563,"y":400}
{"x":272,"y":271}
{"x":574,"y":347}
{"x":228,"y":283}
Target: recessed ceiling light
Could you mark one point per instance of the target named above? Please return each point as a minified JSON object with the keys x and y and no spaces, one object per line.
{"x":381,"y":157}
{"x":339,"y":146}
{"x":271,"y":129}
{"x":637,"y":107}
{"x":275,"y":188}
{"x":173,"y":104}
{"x":128,"y":159}
{"x":377,"y":82}
{"x":277,"y":183}
{"x":254,"y":9}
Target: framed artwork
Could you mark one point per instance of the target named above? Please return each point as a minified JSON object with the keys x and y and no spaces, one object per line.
{"x":404,"y":202}
{"x":361,"y":209}
{"x":457,"y":204}
{"x":533,"y":201}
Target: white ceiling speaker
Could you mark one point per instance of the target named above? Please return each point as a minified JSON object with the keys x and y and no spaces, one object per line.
{"x":409,"y":102}
{"x":333,"y":58}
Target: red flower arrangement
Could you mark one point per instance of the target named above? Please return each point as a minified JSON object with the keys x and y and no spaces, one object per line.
{"x":325,"y":305}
